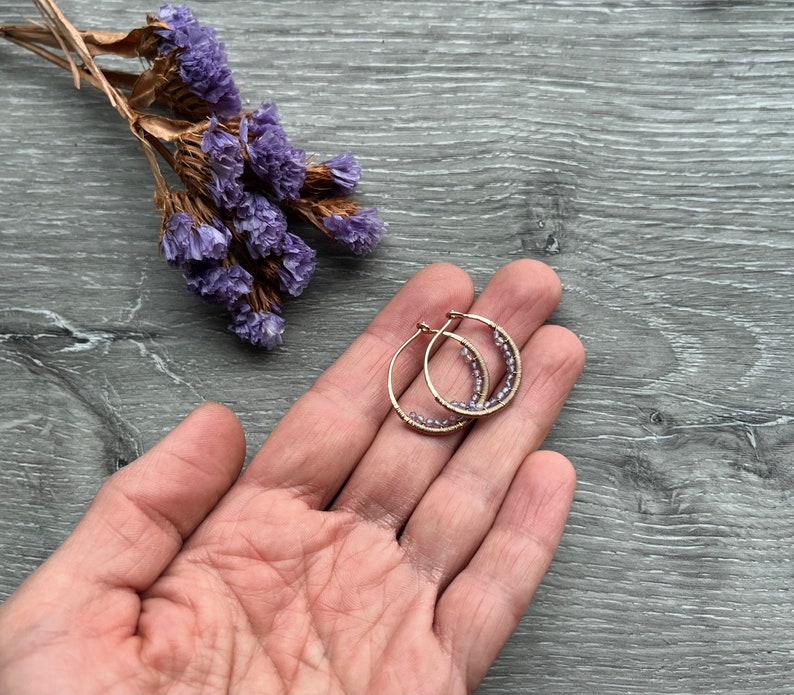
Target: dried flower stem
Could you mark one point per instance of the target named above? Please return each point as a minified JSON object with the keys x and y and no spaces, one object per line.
{"x":59,"y":32}
{"x":315,"y":211}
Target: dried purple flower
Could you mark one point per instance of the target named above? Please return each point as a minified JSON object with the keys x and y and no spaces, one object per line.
{"x":216,"y":283}
{"x":262,"y":224}
{"x":271,"y":156}
{"x":261,"y":328}
{"x":345,"y":173}
{"x":298,"y":263}
{"x":181,"y":22}
{"x":183,"y":240}
{"x":201,"y":59}
{"x":333,"y":178}
{"x":176,"y":231}
{"x":360,"y":231}
{"x":226,"y":165}
{"x":265,"y":116}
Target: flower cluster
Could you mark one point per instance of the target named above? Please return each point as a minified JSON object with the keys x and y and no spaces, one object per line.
{"x":228,"y":229}
{"x":189,"y":65}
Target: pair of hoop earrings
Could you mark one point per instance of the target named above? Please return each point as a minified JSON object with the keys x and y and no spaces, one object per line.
{"x":482,"y":402}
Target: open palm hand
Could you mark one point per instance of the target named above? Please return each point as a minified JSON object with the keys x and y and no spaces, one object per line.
{"x":352,"y":555}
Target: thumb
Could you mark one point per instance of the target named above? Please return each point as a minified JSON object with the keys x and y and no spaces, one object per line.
{"x":142,"y":514}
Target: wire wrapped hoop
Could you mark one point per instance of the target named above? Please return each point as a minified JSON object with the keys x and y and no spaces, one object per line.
{"x":479,"y":370}
{"x":512,"y":357}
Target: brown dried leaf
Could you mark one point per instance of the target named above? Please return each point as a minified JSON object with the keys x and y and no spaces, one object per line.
{"x":148,"y":86}
{"x":163,"y":128}
{"x":118,"y":43}
{"x":97,"y":42}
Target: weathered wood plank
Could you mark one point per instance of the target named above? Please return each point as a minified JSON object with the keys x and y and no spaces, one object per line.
{"x":642,"y":148}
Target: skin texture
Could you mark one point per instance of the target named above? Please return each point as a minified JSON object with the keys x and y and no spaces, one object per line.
{"x":352,"y":555}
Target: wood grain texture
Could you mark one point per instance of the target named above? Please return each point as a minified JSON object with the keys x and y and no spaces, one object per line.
{"x":642,"y":148}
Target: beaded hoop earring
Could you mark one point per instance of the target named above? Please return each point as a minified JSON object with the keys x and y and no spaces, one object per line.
{"x":479,"y":370}
{"x":510,"y":353}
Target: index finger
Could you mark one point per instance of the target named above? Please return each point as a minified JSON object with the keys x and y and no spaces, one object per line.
{"x":325,"y":433}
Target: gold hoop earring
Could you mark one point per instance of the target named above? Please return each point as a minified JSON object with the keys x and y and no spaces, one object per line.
{"x":510,"y":354}
{"x":479,"y":370}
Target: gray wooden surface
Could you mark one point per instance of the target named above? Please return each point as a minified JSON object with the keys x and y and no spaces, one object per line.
{"x":644,"y":149}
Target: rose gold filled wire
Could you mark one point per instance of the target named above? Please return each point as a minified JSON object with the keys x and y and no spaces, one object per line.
{"x":434,"y":426}
{"x":513,"y":370}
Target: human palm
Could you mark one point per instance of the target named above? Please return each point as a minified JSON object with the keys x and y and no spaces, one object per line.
{"x":352,"y":555}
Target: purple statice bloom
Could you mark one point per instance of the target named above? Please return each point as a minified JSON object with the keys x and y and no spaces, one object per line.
{"x":218,"y":284}
{"x":175,"y":237}
{"x":226,"y":165}
{"x":260,"y":328}
{"x":266,"y":116}
{"x":297,"y":264}
{"x":360,"y":231}
{"x":202,"y":60}
{"x":262,"y":224}
{"x":270,"y":154}
{"x":184,"y":240}
{"x":345,"y":171}
{"x":181,"y":23}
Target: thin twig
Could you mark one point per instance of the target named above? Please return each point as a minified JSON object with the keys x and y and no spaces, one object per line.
{"x":63,"y":34}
